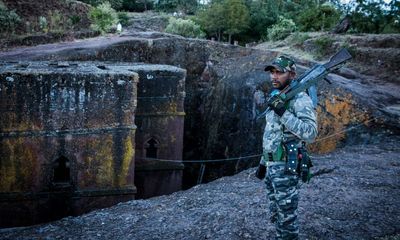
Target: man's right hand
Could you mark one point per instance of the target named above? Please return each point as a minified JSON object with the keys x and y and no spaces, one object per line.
{"x":261,"y":171}
{"x":277,"y":104}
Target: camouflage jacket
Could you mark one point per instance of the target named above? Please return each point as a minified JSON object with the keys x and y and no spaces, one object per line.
{"x":299,"y":122}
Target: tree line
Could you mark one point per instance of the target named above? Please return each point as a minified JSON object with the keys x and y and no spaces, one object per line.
{"x":254,"y":20}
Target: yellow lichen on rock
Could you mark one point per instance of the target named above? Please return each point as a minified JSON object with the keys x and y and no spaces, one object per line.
{"x":17,"y":170}
{"x":128,"y":155}
{"x":335,"y":115}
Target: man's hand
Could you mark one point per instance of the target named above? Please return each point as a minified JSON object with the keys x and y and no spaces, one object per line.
{"x":260,"y":172}
{"x":277,"y":104}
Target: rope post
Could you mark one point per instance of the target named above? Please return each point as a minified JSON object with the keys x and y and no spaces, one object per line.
{"x":201,"y":173}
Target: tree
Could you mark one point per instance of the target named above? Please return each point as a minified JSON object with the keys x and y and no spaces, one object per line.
{"x":263,"y":14}
{"x":187,"y":6}
{"x":393,"y":17}
{"x":318,"y":18}
{"x":9,"y":20}
{"x":212,"y":19}
{"x":368,"y":16}
{"x":237,"y":17}
{"x":137,"y":5}
{"x":115,"y":4}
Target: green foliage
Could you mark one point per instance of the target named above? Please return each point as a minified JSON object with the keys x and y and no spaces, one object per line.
{"x":75,"y":19}
{"x":375,"y":16}
{"x":283,"y":28}
{"x":43,"y":25}
{"x":323,"y":46}
{"x":94,"y":3}
{"x":350,"y":47}
{"x":292,"y":9}
{"x":9,"y":20}
{"x":123,"y":18}
{"x":237,"y":17}
{"x":298,"y":38}
{"x":103,"y":17}
{"x":166,"y":5}
{"x":224,"y":17}
{"x":56,"y":20}
{"x":212,"y":19}
{"x":263,"y":14}
{"x":318,"y":18}
{"x":367,"y":17}
{"x":137,"y":5}
{"x":186,"y":6}
{"x":186,"y":28}
{"x":115,"y":4}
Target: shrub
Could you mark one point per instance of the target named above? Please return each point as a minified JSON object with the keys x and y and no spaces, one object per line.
{"x":281,"y":29}
{"x":115,"y":4}
{"x":56,"y":20}
{"x":103,"y":17}
{"x":123,"y":18}
{"x":9,"y":20}
{"x":350,"y":47}
{"x":393,"y":27}
{"x":75,"y":19}
{"x":186,"y":28}
{"x":298,"y":38}
{"x":137,"y":5}
{"x":323,"y":46}
{"x":43,"y":25}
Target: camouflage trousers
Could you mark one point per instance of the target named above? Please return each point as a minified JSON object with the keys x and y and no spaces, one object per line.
{"x":283,"y":195}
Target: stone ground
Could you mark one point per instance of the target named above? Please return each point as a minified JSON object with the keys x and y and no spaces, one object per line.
{"x":360,"y":199}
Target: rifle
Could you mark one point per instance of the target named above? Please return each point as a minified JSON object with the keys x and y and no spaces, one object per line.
{"x":310,"y":78}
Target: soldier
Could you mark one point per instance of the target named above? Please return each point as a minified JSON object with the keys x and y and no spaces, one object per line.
{"x":288,"y":126}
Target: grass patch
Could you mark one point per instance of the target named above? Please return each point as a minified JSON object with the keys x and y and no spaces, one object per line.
{"x":297,"y":39}
{"x":323,"y":46}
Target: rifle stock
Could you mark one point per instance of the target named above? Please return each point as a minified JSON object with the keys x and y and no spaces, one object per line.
{"x":315,"y":74}
{"x":339,"y":58}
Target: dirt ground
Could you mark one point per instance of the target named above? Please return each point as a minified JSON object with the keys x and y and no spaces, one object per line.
{"x":360,"y":199}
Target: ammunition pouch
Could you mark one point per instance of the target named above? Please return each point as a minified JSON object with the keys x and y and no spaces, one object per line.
{"x":297,"y":160}
{"x":304,"y":164}
{"x":291,"y":157}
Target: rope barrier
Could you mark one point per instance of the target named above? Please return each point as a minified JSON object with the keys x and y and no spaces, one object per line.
{"x":251,"y":156}
{"x":345,"y":130}
{"x":158,"y":97}
{"x":202,"y":160}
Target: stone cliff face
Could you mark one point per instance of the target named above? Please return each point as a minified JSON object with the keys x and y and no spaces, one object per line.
{"x":220,"y":86}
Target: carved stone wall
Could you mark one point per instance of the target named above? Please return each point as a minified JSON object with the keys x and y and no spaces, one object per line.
{"x":67,"y":139}
{"x":160,"y":120}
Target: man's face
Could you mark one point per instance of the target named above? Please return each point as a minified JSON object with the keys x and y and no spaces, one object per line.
{"x":280,"y":79}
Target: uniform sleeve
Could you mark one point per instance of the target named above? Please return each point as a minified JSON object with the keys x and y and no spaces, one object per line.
{"x":302,"y":122}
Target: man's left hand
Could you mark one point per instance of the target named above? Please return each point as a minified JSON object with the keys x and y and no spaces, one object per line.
{"x":277,"y":104}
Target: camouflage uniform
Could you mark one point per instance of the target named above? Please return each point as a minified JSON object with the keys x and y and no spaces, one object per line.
{"x":297,"y":124}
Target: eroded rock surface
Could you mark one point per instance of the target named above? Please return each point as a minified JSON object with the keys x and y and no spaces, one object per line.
{"x":358,"y":200}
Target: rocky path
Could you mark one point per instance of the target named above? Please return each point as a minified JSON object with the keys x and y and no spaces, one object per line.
{"x":360,"y":199}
